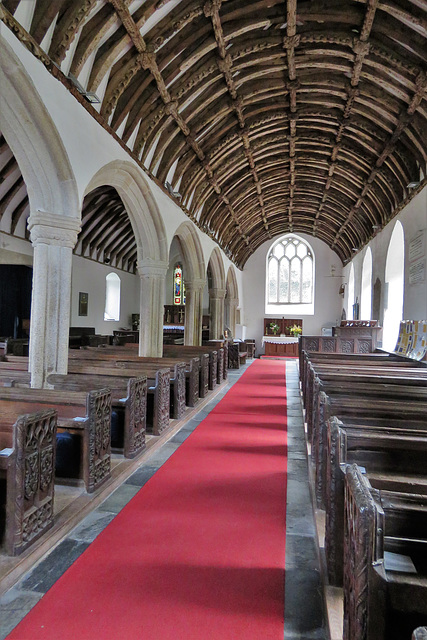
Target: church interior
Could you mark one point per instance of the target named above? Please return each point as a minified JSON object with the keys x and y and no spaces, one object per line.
{"x":213,"y":224}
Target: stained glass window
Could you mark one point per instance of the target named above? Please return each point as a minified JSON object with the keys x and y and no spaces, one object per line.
{"x":178,"y":286}
{"x":290,"y":272}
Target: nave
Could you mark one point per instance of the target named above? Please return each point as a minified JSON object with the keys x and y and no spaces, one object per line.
{"x":304,"y":613}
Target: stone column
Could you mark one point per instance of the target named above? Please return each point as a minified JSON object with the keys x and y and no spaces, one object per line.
{"x":193,"y":311}
{"x":53,"y":238}
{"x":233,"y":304}
{"x":216,"y":306}
{"x":151,"y":306}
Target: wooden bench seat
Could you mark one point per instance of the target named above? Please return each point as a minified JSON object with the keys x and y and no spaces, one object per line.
{"x":402,"y":402}
{"x":237,"y":354}
{"x":108,"y":358}
{"x":85,"y":416}
{"x":212,"y":357}
{"x":192,"y":366}
{"x":158,"y":388}
{"x":381,"y":600}
{"x":128,"y":403}
{"x":27,"y":467}
{"x":392,"y":456}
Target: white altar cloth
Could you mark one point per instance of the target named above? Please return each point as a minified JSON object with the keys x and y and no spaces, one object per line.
{"x":279,"y":339}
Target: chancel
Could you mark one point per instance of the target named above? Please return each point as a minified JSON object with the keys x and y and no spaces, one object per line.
{"x":213,"y":319}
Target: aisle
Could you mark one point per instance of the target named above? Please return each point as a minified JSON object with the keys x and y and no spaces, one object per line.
{"x":199,"y":551}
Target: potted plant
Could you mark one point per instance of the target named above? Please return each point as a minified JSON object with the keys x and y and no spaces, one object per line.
{"x":295,"y":331}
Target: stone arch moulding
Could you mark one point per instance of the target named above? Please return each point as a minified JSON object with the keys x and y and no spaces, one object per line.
{"x":217,"y":269}
{"x":141,"y":207}
{"x":192,"y":251}
{"x":35,"y":141}
{"x":231,"y":284}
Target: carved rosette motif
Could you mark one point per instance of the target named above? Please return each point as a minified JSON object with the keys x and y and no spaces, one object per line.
{"x":312,"y":344}
{"x":33,"y":477}
{"x":364,"y":346}
{"x":328,"y":345}
{"x":347,"y":346}
{"x":181,"y":388}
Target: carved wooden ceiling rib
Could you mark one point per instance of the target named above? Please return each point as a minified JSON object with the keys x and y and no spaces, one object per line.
{"x":266,"y":116}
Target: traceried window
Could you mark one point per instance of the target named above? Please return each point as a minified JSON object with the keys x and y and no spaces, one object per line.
{"x":112,"y":297}
{"x":290,"y":272}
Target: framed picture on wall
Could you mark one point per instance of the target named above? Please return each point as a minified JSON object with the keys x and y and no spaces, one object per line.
{"x":83,"y":302}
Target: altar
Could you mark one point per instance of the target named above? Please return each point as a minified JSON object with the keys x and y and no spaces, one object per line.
{"x":280,"y":345}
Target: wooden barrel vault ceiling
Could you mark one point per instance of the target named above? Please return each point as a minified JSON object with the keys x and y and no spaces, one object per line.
{"x":261,"y":117}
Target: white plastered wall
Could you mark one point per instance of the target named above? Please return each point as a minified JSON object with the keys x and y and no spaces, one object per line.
{"x":414,"y":219}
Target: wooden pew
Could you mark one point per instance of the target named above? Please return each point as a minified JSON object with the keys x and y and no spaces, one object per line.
{"x":179,"y":351}
{"x":381,"y":603}
{"x":27,"y":466}
{"x":237,"y":354}
{"x":158,"y":388}
{"x":126,"y":354}
{"x":84,"y":415}
{"x":390,"y":454}
{"x":218,"y":352}
{"x":401,"y":401}
{"x":101,"y":357}
{"x":128,"y":403}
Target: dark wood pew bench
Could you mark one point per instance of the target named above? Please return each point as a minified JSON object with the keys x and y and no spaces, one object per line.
{"x":158,"y":388}
{"x":128,"y":404}
{"x":385,"y":561}
{"x":237,"y":354}
{"x":84,"y":425}
{"x":208,"y":381}
{"x":393,"y":456}
{"x":27,"y":469}
{"x":109,"y":358}
{"x":386,"y":403}
{"x":189,"y":365}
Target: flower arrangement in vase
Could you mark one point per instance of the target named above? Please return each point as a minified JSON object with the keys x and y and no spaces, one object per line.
{"x":274,"y":327}
{"x":295,"y":331}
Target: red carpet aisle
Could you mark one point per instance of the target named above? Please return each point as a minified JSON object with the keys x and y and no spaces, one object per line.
{"x":199,"y":553}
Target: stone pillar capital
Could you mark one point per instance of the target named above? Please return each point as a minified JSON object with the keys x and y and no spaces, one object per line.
{"x":53,"y":229}
{"x":197,"y":284}
{"x":217,"y":293}
{"x":147,"y":267}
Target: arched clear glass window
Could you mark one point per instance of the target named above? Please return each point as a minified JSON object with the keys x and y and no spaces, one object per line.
{"x":290,"y":272}
{"x":350,"y":296}
{"x":366,"y":295}
{"x":112,"y":297}
{"x":394,"y":287}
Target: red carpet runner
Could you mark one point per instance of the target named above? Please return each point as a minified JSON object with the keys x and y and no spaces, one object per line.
{"x":199,"y":553}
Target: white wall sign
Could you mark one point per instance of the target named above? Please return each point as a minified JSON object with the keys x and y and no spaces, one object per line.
{"x":417,"y":271}
{"x":417,"y":247}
